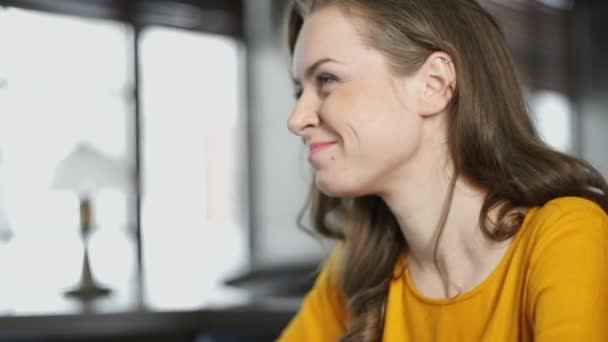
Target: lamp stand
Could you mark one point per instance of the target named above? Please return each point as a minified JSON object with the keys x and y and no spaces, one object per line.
{"x":88,"y":288}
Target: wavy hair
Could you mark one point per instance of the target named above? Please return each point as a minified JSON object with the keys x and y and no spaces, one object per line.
{"x":492,"y":142}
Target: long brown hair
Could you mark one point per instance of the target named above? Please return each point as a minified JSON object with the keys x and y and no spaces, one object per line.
{"x":492,"y":141}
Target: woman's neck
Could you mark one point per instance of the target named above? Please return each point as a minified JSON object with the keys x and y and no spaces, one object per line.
{"x":463,"y":253}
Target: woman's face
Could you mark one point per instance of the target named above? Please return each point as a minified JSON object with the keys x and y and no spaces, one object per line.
{"x":359,"y":121}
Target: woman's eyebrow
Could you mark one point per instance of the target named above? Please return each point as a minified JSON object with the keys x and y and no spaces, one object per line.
{"x":313,"y":67}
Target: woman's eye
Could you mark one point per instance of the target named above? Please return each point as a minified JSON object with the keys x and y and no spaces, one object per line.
{"x":321,"y":80}
{"x":324,"y":79}
{"x":297,"y":93}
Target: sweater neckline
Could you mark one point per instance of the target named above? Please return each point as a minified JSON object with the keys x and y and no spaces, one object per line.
{"x":502,"y":265}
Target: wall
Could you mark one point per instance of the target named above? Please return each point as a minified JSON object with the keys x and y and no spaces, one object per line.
{"x":278,"y":170}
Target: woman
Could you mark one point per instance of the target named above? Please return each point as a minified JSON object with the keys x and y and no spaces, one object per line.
{"x":455,"y":221}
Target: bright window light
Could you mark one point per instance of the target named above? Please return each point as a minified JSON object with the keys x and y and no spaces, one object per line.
{"x":553,"y":112}
{"x":194,"y":166}
{"x":63,"y":82}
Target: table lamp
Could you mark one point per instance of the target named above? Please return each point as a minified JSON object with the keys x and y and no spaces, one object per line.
{"x":83,"y":171}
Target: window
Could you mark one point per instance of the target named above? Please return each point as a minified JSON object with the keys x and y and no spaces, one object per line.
{"x":194,"y":198}
{"x":65,"y":89}
{"x":553,"y":115}
{"x":66,"y":85}
{"x":67,"y":95}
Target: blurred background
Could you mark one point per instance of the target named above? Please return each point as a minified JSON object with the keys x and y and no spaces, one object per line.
{"x":149,"y":187}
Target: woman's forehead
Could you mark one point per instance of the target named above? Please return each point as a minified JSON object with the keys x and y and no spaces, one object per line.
{"x":327,"y":33}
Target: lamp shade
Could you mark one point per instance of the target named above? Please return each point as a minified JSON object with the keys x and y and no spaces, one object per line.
{"x":85,"y":169}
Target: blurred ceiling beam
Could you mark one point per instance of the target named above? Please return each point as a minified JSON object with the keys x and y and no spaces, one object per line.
{"x":213,"y":16}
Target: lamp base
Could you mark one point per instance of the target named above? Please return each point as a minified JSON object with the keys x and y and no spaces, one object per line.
{"x":88,"y":288}
{"x":89,"y":292}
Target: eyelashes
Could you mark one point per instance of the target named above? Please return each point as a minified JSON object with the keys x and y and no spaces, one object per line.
{"x":297,"y":93}
{"x":322,"y":82}
{"x":324,"y":79}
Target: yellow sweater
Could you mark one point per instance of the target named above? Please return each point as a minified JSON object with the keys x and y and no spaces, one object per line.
{"x":551,"y":286}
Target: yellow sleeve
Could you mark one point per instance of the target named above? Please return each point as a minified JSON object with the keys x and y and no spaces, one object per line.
{"x":322,"y":315}
{"x":569,"y":274}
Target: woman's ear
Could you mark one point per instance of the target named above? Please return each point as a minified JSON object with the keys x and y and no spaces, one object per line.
{"x":437,"y":78}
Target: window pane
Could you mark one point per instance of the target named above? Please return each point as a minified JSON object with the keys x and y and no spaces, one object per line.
{"x":553,"y":115}
{"x":5,"y":231}
{"x":66,"y":81}
{"x":64,"y":95}
{"x":194,"y":165}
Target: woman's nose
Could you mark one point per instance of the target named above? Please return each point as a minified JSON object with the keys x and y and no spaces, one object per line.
{"x":303,"y":116}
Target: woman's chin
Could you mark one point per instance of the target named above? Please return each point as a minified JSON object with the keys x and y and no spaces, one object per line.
{"x":338,"y":187}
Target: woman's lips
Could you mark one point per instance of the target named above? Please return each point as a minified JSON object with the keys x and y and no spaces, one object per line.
{"x":316,"y":148}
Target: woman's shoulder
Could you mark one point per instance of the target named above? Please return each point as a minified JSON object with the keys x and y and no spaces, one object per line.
{"x":565,"y":262}
{"x":570,"y":210}
{"x":566,"y":218}
{"x":570,"y":204}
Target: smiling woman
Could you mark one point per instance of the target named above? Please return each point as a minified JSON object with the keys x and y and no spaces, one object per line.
{"x":365,"y":109}
{"x":455,"y":220}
